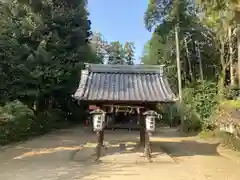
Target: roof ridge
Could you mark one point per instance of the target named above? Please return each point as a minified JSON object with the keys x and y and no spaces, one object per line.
{"x":125,"y":68}
{"x":123,"y":65}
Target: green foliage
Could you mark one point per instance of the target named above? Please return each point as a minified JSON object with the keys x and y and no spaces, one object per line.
{"x":170,"y":113}
{"x":231,"y":92}
{"x":120,"y":54}
{"x":16,"y":120}
{"x":230,"y":6}
{"x":224,"y":138}
{"x":192,"y":119}
{"x":231,"y":103}
{"x":129,"y":53}
{"x":112,"y":52}
{"x":195,"y":38}
{"x":115,"y":53}
{"x":199,"y":103}
{"x":48,"y":120}
{"x":98,"y":46}
{"x":203,"y":54}
{"x":229,"y":140}
{"x":206,"y":98}
{"x":49,"y":48}
{"x":43,"y":46}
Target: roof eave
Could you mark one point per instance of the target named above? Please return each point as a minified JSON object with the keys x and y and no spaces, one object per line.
{"x":126,"y":101}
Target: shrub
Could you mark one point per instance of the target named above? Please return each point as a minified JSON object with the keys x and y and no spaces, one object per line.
{"x":228,"y":112}
{"x":169,"y":111}
{"x":192,"y":120}
{"x":231,"y":93}
{"x":199,"y":104}
{"x":49,"y":120}
{"x":224,"y":138}
{"x":16,"y":120}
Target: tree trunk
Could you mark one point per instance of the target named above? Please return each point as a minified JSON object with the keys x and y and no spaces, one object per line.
{"x":238,"y":68}
{"x":189,"y":61}
{"x":39,"y":105}
{"x":223,"y":72}
{"x":200,"y":61}
{"x":232,"y":81}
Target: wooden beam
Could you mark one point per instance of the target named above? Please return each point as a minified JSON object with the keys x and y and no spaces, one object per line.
{"x":126,"y":106}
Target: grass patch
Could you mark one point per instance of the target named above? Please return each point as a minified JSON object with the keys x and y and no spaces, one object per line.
{"x":230,"y":103}
{"x":226,"y":139}
{"x":207,"y":134}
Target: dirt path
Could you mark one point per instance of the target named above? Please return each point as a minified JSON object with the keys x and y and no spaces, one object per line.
{"x":175,"y":158}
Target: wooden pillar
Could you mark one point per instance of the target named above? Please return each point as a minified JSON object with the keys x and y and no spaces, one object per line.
{"x":98,"y":147}
{"x":142,"y":130}
{"x":113,"y":121}
{"x":171,"y":116}
{"x":100,"y":139}
{"x":147,"y":148}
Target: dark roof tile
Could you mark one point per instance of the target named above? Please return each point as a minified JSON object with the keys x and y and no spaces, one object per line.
{"x":116,"y":83}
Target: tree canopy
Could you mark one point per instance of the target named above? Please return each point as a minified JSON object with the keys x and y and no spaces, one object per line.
{"x":209,"y":42}
{"x":45,"y":43}
{"x":203,"y":35}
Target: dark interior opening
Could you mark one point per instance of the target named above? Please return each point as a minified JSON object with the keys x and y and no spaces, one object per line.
{"x":125,"y":121}
{"x":122,"y":118}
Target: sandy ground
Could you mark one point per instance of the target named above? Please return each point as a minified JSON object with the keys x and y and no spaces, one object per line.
{"x":174,"y":158}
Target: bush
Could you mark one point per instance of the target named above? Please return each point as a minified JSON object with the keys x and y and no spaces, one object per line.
{"x":226,"y":113}
{"x":224,"y":138}
{"x":16,"y":120}
{"x":169,"y":111}
{"x":199,"y":104}
{"x":229,"y":140}
{"x":192,"y":120}
{"x":49,"y":120}
{"x":231,"y":93}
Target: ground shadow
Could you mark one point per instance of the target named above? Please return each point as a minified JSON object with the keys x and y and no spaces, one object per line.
{"x":94,"y":171}
{"x":188,"y":148}
{"x":174,"y":132}
{"x":176,"y":149}
{"x":50,"y":160}
{"x":73,"y":142}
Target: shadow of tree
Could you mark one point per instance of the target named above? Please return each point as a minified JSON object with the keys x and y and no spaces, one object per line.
{"x":177,"y":148}
{"x":188,"y":148}
{"x":55,"y":161}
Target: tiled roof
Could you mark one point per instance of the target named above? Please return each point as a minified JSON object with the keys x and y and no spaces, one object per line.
{"x":124,"y":83}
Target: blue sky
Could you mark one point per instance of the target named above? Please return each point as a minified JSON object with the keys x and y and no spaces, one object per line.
{"x":120,"y":20}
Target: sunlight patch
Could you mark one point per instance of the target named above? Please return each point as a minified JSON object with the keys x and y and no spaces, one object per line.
{"x":47,"y":151}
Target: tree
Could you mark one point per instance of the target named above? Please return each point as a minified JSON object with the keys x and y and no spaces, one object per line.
{"x":231,"y":11}
{"x":162,"y":16}
{"x":46,"y":46}
{"x":207,"y":45}
{"x":145,"y":59}
{"x":158,"y":52}
{"x":99,"y":45}
{"x":115,"y":53}
{"x":129,"y":53}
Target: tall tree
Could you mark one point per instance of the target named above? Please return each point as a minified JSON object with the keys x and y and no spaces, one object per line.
{"x":231,"y":18}
{"x":99,"y":45}
{"x":115,"y":53}
{"x":163,"y":16}
{"x":129,"y":53}
{"x":49,"y":43}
